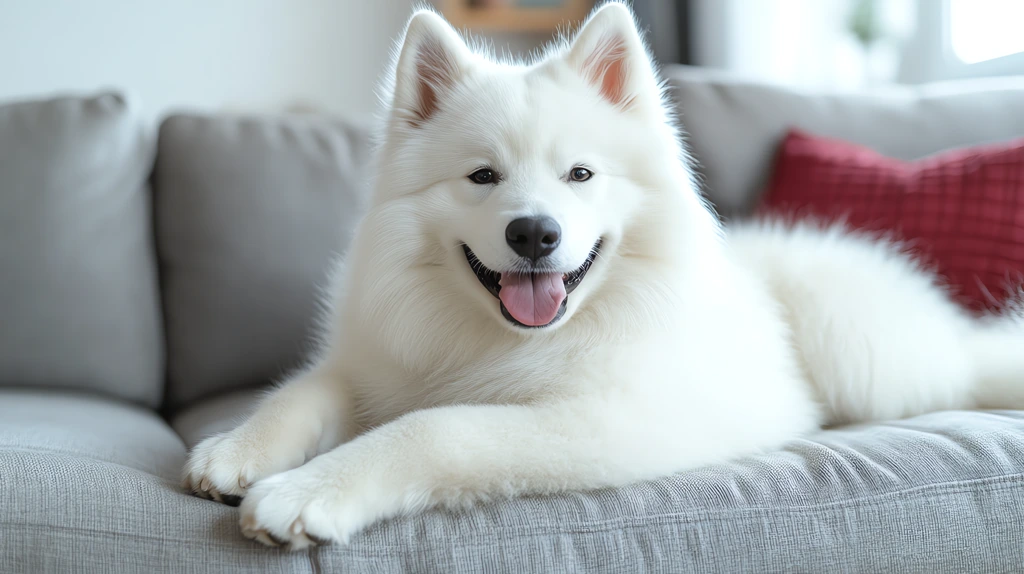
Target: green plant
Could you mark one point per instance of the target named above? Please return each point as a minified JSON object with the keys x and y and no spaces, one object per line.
{"x":864,"y":22}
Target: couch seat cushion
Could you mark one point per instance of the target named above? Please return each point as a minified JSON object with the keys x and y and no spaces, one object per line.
{"x":217,"y":414}
{"x":88,"y":485}
{"x":91,"y":485}
{"x":65,"y":425}
{"x":937,"y":493}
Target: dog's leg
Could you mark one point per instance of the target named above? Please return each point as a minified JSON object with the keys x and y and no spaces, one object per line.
{"x":307,"y":415}
{"x":453,"y":456}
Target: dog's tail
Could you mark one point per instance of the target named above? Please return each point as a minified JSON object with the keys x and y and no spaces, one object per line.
{"x":997,"y":345}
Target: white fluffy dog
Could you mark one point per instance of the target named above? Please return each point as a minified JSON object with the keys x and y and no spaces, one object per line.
{"x":539,"y":300}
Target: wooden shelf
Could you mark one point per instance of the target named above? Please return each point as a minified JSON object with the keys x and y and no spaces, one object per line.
{"x":511,"y":18}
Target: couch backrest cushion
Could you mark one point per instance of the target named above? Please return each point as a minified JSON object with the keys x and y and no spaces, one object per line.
{"x":250,"y":214}
{"x":79,"y":305}
{"x":734,"y":126}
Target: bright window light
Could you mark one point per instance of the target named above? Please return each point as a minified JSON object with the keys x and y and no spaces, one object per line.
{"x":986,"y":29}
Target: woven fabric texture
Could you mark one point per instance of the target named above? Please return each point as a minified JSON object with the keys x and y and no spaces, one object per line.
{"x":92,"y":487}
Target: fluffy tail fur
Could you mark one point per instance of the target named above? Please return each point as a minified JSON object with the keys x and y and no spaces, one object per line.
{"x":997,"y":346}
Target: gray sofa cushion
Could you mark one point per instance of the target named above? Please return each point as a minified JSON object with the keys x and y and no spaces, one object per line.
{"x":90,"y":485}
{"x":250,"y":212}
{"x":79,"y":305}
{"x":215,"y":414}
{"x":734,"y":126}
{"x":66,"y":425}
{"x":939,"y":493}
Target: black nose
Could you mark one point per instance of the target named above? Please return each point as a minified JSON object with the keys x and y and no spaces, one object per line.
{"x":533,"y":237}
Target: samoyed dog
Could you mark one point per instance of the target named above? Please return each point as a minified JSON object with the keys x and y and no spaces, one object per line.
{"x":539,"y":300}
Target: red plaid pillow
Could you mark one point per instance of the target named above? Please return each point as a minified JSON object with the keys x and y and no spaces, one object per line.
{"x":961,"y":212}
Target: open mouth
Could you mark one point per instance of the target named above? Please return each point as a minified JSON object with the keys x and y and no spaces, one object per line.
{"x":532,"y":299}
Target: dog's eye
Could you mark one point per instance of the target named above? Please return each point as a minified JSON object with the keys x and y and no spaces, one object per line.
{"x":580,"y":174}
{"x":483,"y":176}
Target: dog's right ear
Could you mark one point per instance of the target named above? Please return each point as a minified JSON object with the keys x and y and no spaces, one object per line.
{"x":432,"y":61}
{"x":609,"y":53}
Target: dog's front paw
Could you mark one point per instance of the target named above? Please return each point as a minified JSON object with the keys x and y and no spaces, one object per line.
{"x":306,"y":507}
{"x":223,"y":467}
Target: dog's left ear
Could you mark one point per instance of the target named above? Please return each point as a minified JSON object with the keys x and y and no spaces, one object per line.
{"x":610,"y":55}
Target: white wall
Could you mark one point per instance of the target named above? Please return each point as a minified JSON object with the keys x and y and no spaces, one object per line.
{"x":260,"y":55}
{"x":806,"y":43}
{"x":795,"y":42}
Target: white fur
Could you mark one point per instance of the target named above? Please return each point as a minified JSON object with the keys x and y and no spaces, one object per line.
{"x":680,"y":348}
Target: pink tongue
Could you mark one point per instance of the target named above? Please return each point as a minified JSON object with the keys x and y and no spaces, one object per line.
{"x":532,"y":299}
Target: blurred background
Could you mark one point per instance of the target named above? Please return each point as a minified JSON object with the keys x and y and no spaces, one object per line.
{"x":327,"y":55}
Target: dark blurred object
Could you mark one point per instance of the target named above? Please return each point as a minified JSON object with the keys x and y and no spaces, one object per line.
{"x":667,"y":27}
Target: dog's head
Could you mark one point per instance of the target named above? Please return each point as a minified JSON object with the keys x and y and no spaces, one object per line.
{"x":527,"y":177}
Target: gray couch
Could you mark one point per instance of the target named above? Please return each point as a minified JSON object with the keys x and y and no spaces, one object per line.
{"x":151,"y":284}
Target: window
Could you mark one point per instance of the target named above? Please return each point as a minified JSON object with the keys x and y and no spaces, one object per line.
{"x":986,"y":29}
